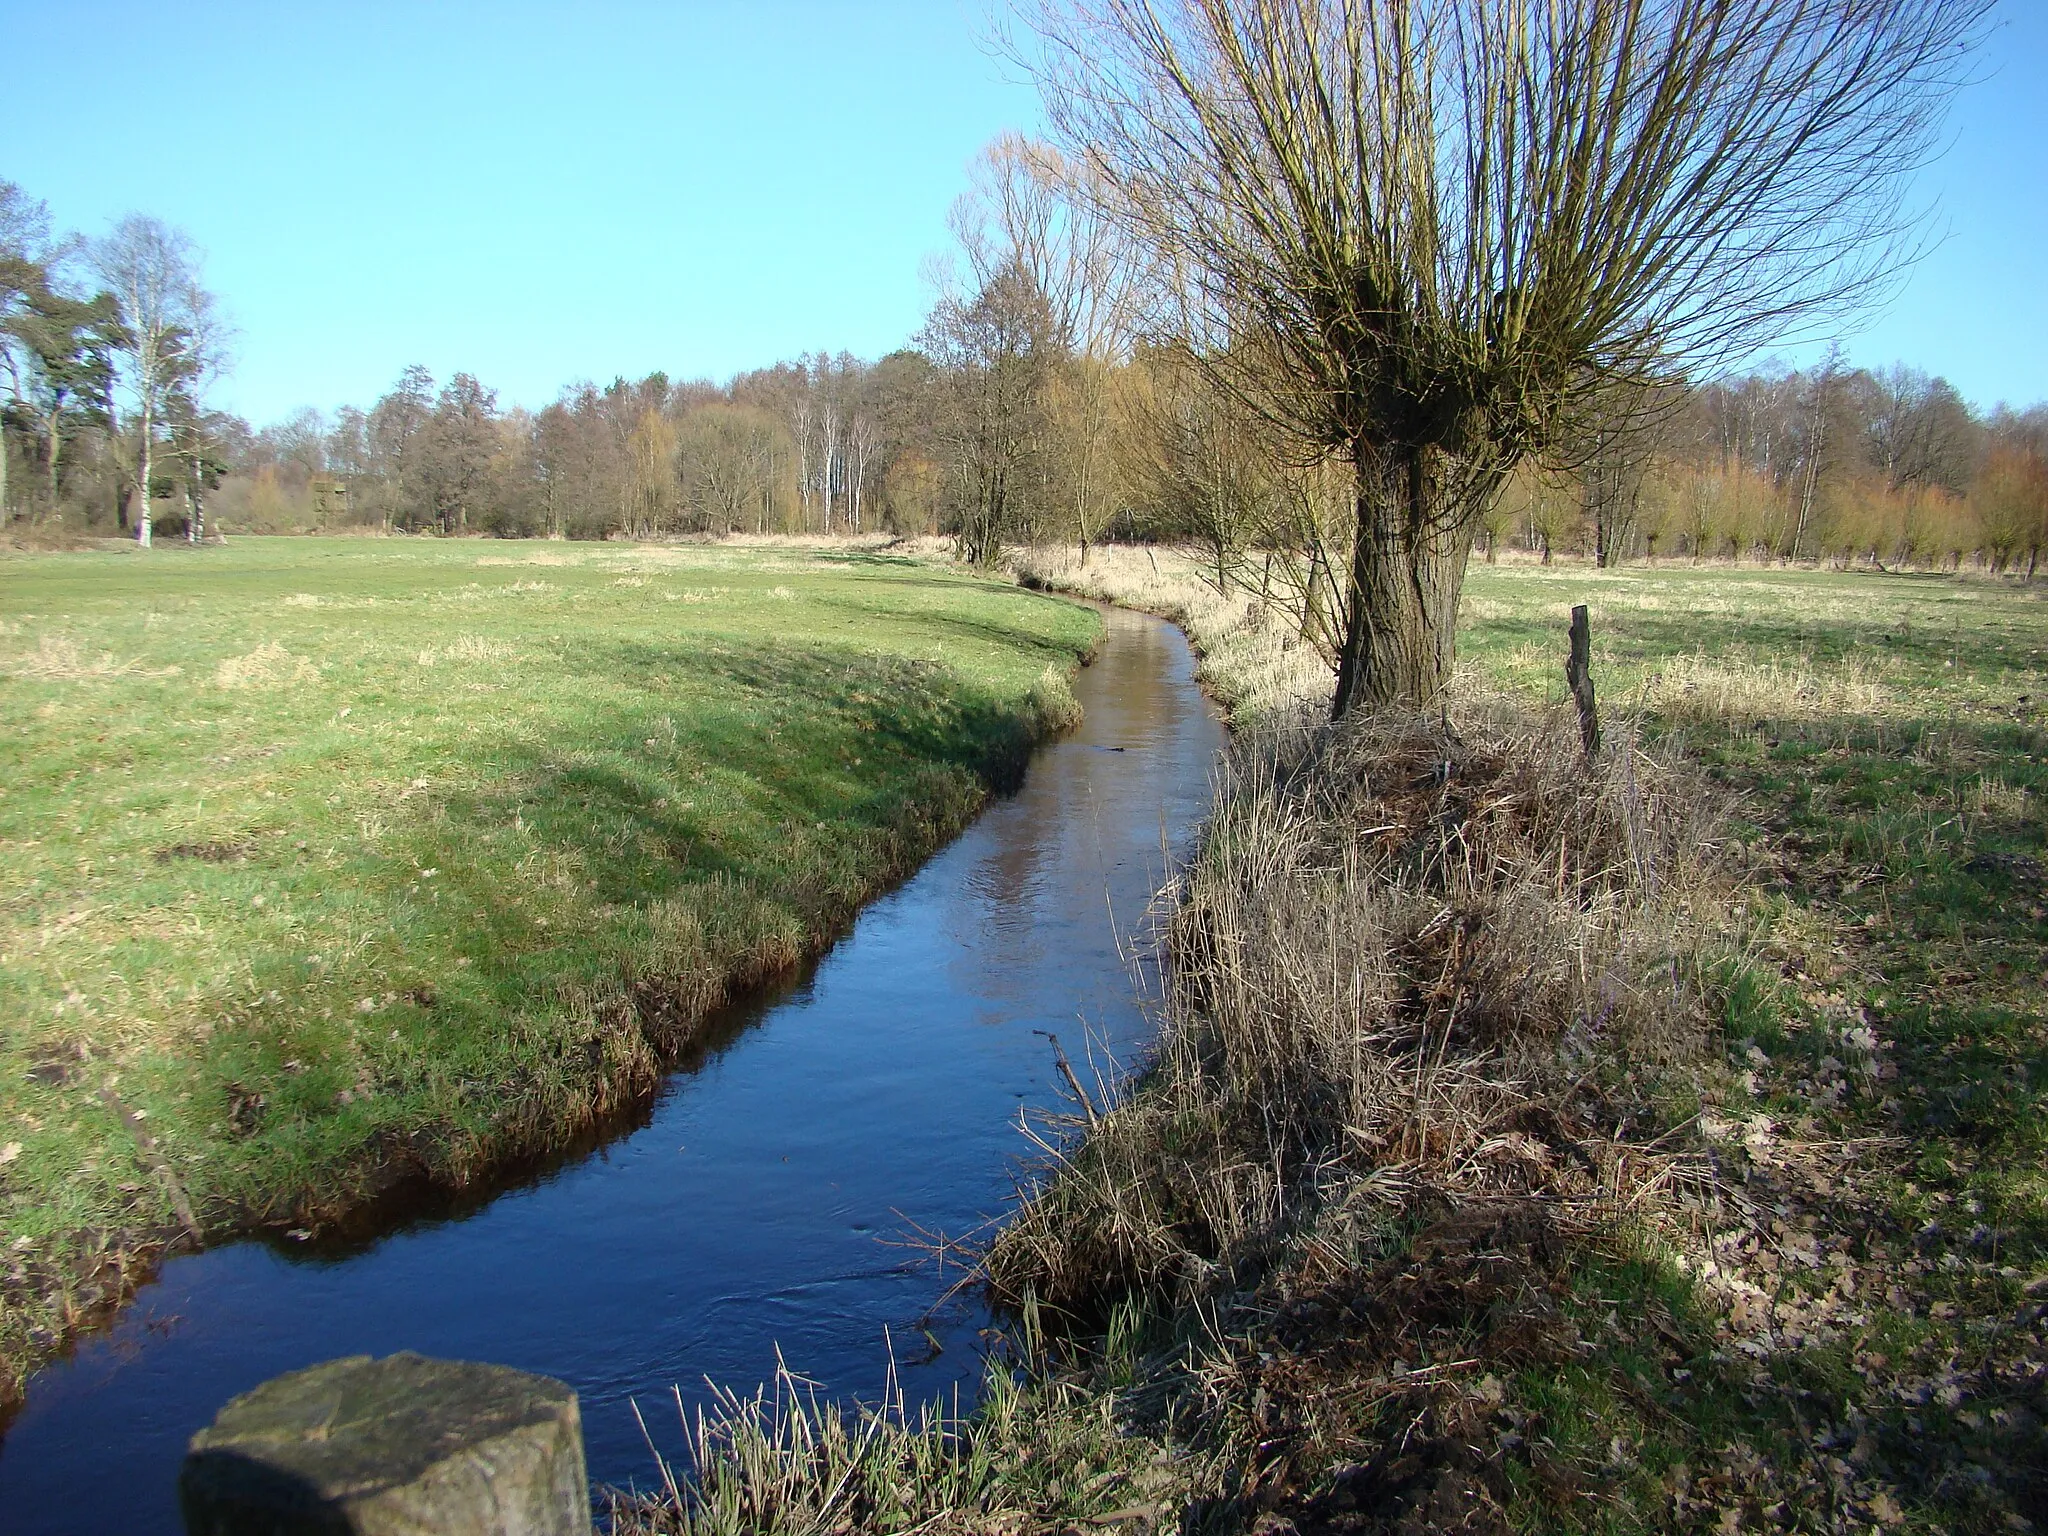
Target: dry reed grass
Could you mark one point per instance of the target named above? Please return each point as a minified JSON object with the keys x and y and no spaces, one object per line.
{"x":1411,"y":956}
{"x":1702,"y":690}
{"x":1251,"y":657}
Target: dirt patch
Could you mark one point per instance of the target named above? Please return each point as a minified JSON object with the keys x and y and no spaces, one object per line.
{"x":208,"y":852}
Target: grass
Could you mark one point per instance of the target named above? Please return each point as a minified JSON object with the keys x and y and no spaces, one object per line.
{"x":1884,"y":1023}
{"x":1776,"y":1262}
{"x":1249,"y":656}
{"x":336,"y":868}
{"x":787,"y":1461}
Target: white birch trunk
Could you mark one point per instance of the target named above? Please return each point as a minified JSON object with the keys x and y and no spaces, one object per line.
{"x":142,"y":533}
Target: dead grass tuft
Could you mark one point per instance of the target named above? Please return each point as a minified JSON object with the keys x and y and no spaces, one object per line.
{"x":1403,"y":959}
{"x":60,"y":659}
{"x":465,"y":648}
{"x":270,"y":665}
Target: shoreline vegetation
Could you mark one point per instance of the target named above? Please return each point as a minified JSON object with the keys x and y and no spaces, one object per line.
{"x":348,"y":873}
{"x":1647,"y":1144}
{"x":1532,"y":1144}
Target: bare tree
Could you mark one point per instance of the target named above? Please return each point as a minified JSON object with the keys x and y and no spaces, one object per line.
{"x":728,"y":457}
{"x":1920,"y":430}
{"x":1196,"y":462}
{"x":863,"y":442}
{"x":395,"y":427}
{"x":828,"y":450}
{"x":803,"y":423}
{"x":2011,"y":497}
{"x":1030,"y":207}
{"x":453,"y":449}
{"x":1424,"y":234}
{"x":994,"y":353}
{"x":651,"y":450}
{"x":173,"y":335}
{"x":1821,"y":390}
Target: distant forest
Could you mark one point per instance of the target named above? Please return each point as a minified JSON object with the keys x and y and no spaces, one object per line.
{"x":1030,"y":408}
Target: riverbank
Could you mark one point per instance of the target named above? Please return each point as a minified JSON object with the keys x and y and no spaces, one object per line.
{"x":343,"y":870}
{"x":1645,"y":1146}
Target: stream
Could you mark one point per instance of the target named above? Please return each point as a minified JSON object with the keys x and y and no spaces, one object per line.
{"x":764,"y":1203}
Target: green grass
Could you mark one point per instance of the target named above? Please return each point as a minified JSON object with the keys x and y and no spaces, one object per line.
{"x":1886,"y":1023}
{"x":342,"y":863}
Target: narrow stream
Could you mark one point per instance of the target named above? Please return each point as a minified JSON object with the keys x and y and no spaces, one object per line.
{"x":763,"y":1203}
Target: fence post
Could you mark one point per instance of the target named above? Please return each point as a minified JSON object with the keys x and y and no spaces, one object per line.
{"x":1578,"y":672}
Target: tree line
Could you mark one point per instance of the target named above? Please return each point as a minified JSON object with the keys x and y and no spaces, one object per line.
{"x":1890,"y":468}
{"x":1492,"y":302}
{"x":107,"y":348}
{"x":1030,"y":408}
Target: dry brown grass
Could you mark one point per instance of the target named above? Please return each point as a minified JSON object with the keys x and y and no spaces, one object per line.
{"x":1251,"y":657}
{"x":1412,"y":956}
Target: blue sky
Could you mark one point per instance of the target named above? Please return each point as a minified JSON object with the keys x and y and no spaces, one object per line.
{"x":540,"y":193}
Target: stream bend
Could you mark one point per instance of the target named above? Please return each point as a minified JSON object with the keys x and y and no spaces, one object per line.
{"x":763,"y":1202}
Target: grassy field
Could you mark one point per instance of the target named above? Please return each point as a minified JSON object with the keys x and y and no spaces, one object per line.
{"x":1871,"y":1299}
{"x":332,"y":866}
{"x":1778,"y":1260}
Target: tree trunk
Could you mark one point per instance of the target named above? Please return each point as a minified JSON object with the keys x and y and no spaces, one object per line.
{"x":1578,"y":673}
{"x":1407,"y":564}
{"x":56,"y":459}
{"x":142,"y":482}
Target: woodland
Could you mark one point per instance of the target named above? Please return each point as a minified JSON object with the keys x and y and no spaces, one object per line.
{"x":1035,"y":406}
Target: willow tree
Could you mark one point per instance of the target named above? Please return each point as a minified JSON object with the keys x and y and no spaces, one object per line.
{"x":1428,"y":235}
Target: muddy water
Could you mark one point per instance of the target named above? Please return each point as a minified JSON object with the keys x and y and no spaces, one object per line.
{"x":762,"y":1203}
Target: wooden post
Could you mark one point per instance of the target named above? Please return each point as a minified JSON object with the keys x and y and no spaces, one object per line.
{"x":383,"y":1447}
{"x":1578,"y":672}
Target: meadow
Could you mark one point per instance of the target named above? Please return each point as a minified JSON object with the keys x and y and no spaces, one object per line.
{"x":1870,"y":1341}
{"x":1654,"y":1143}
{"x":339,"y":869}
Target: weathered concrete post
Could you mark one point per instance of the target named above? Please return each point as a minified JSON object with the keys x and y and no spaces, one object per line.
{"x":395,"y":1447}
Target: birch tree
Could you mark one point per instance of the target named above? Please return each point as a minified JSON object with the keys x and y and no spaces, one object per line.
{"x":803,"y":423}
{"x":863,"y":442}
{"x":828,"y":452}
{"x":171,"y":329}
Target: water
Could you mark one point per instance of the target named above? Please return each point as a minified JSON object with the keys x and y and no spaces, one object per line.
{"x":763,"y":1202}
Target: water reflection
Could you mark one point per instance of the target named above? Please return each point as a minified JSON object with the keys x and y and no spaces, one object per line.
{"x":762,"y":1203}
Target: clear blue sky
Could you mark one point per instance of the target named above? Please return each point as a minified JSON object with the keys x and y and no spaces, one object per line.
{"x":540,"y":193}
